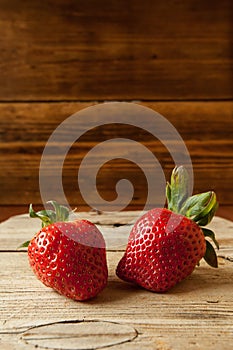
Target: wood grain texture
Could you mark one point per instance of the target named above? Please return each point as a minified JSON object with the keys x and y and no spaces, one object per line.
{"x":147,"y":51}
{"x":115,"y":228}
{"x":20,"y":182}
{"x":206,"y":128}
{"x":195,"y":314}
{"x":79,"y":50}
{"x":34,"y":121}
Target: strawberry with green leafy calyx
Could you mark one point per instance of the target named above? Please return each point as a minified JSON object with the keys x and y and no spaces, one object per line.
{"x":68,"y":256}
{"x":166,"y":244}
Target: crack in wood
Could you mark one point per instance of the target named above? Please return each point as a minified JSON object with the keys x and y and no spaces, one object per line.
{"x":228,"y":258}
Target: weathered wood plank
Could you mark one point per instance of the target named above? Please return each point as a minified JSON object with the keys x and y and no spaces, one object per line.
{"x":20,"y":172}
{"x":196,"y":313}
{"x":114,"y":226}
{"x":181,"y":50}
{"x":25,"y":128}
{"x":34,"y":122}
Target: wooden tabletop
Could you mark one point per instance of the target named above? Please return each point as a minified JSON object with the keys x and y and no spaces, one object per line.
{"x":196,"y":314}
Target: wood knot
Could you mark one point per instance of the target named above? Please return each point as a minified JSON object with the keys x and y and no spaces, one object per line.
{"x":74,"y":335}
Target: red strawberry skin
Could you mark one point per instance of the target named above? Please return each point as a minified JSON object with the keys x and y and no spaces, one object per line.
{"x":70,"y":257}
{"x":163,"y":249}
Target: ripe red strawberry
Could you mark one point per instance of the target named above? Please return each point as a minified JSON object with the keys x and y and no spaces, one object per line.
{"x":165,"y":245}
{"x":69,"y":257}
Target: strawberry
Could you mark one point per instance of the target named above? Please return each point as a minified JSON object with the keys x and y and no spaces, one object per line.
{"x":166,"y":244}
{"x":68,"y":256}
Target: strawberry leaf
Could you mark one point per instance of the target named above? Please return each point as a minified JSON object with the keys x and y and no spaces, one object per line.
{"x":200,"y":207}
{"x":60,"y":213}
{"x":210,"y":255}
{"x":24,"y":245}
{"x":195,"y":204}
{"x":178,"y":190}
{"x":43,"y":215}
{"x":207,"y":215}
{"x":47,"y":213}
{"x":168,"y":192}
{"x":209,"y":233}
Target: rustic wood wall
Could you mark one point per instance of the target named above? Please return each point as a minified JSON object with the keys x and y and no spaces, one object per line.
{"x":58,"y":57}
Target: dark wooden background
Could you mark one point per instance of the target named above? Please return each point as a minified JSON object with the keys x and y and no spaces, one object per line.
{"x":58,"y":57}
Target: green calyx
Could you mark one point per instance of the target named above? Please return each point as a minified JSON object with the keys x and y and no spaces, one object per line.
{"x":60,"y":213}
{"x":200,"y":208}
